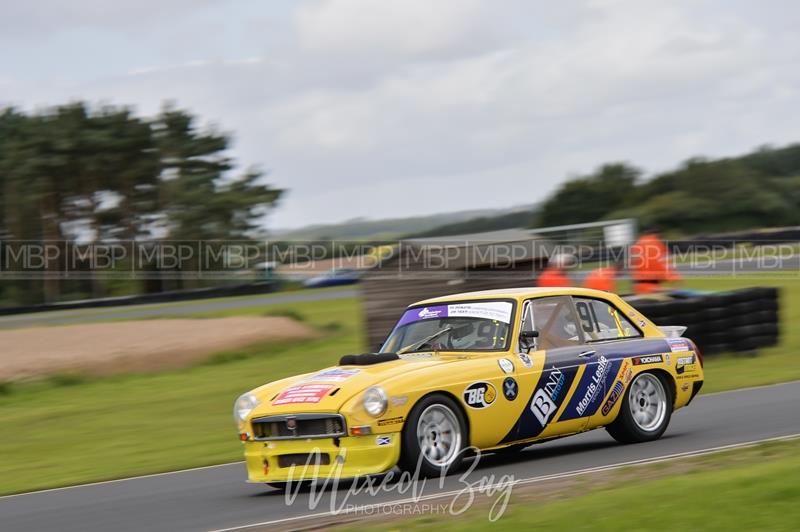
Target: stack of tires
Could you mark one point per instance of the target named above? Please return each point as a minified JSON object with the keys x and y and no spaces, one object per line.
{"x":739,"y":321}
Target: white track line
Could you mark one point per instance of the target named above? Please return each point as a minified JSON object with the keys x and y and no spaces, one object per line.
{"x":200,"y":468}
{"x":531,"y":480}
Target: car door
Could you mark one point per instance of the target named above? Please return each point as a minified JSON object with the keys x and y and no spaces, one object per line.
{"x":617,"y":344}
{"x":549,"y":370}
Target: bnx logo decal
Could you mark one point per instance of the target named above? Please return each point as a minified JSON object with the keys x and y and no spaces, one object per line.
{"x":592,"y":388}
{"x":543,"y":404}
{"x":616,"y":393}
{"x":479,"y":394}
{"x":550,"y":392}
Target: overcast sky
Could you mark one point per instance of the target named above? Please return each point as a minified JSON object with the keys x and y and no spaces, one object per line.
{"x":377,"y":108}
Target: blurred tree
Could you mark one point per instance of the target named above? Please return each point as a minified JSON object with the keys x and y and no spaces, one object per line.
{"x":197,"y":197}
{"x":73,"y":173}
{"x":590,"y":198}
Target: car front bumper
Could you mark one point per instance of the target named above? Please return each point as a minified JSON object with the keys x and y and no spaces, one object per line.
{"x":284,"y":460}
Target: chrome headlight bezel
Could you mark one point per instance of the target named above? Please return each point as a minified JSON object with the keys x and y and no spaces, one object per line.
{"x":243,"y":406}
{"x":375,"y":401}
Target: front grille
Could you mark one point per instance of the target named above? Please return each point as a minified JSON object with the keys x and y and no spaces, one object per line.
{"x":302,"y":459}
{"x":298,"y":426}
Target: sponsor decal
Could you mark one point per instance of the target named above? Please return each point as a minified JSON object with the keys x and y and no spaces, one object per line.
{"x":479,"y":394}
{"x":628,"y":375}
{"x":333,"y":375}
{"x":624,"y":368}
{"x":688,"y":376}
{"x":543,"y":404}
{"x":510,"y":388}
{"x":678,"y":344}
{"x":667,"y":359}
{"x":390,"y":421}
{"x":616,"y":393}
{"x":427,"y":313}
{"x":399,"y":400}
{"x":684,"y":363}
{"x":642,"y":324}
{"x":303,"y":393}
{"x":649,"y":359}
{"x":586,"y":399}
{"x":594,"y":386}
{"x":685,"y":387}
{"x":506,"y":365}
{"x":412,"y":356}
{"x":547,"y":397}
{"x":526,"y":360}
{"x":489,"y":310}
{"x":383,"y":440}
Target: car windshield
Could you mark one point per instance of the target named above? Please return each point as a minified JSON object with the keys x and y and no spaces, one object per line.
{"x":457,"y":326}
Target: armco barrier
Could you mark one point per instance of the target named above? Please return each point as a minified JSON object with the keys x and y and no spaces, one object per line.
{"x":742,"y":320}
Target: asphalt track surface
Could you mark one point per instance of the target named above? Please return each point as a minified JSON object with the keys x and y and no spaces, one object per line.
{"x":217,"y":497}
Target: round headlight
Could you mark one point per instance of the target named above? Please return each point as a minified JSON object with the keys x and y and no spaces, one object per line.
{"x":243,"y":406}
{"x":375,"y":401}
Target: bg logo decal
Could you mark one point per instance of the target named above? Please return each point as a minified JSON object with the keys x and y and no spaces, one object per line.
{"x":479,"y":395}
{"x":616,"y":393}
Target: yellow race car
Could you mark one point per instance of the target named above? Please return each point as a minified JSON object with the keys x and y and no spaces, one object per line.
{"x":494,"y":370}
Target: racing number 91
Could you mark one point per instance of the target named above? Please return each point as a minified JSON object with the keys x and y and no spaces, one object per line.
{"x":588,"y":317}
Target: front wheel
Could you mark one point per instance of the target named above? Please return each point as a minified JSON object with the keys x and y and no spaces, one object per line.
{"x":645,"y":411}
{"x":434,"y":437}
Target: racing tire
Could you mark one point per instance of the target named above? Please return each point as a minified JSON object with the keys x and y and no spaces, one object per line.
{"x":434,"y":437}
{"x":645,"y":411}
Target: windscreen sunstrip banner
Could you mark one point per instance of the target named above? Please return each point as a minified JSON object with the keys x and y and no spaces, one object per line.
{"x":488,"y":310}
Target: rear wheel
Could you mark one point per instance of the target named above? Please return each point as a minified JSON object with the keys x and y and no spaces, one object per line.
{"x":434,"y":437}
{"x":645,"y":411}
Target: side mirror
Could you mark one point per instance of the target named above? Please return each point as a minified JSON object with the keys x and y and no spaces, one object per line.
{"x":527,"y":340}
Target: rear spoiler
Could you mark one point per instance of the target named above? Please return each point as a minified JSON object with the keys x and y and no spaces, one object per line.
{"x":672,"y":331}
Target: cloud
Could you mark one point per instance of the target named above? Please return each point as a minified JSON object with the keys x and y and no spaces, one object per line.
{"x":411,"y":27}
{"x":414,"y":106}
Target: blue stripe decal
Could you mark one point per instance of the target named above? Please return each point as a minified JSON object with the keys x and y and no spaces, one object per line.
{"x":548,"y":395}
{"x":599,"y":377}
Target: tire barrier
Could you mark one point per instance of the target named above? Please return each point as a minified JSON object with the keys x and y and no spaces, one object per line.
{"x":739,"y":321}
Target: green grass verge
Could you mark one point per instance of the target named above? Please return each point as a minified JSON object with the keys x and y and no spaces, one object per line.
{"x":71,"y":429}
{"x":60,"y":432}
{"x":746,"y":489}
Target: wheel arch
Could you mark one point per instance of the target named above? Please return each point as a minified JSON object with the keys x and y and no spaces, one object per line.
{"x":455,"y":400}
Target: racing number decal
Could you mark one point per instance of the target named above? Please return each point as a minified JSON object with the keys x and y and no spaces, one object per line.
{"x":586,"y":313}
